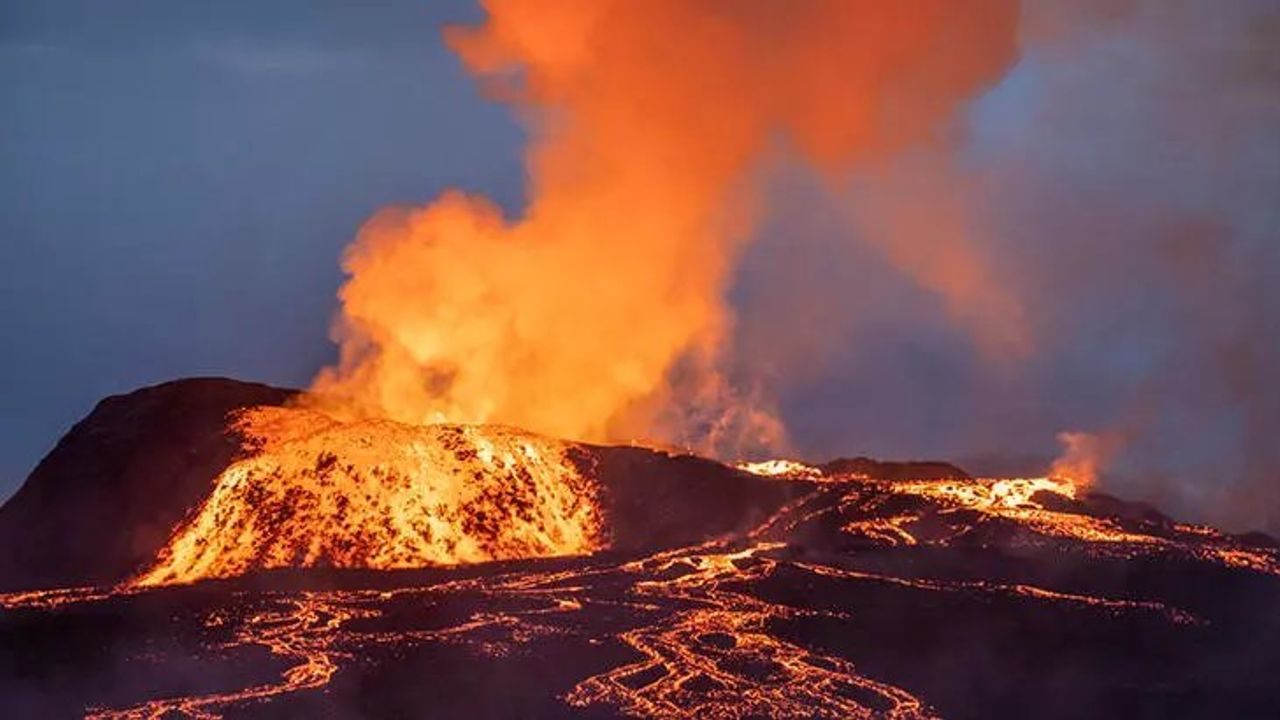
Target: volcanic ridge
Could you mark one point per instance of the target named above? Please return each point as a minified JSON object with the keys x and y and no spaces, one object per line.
{"x":210,"y":548}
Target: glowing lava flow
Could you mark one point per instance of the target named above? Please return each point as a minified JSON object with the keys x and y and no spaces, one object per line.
{"x":702,"y":631}
{"x":718,"y":659}
{"x":301,"y":629}
{"x":1015,"y":499}
{"x":786,"y":469}
{"x":382,"y":495}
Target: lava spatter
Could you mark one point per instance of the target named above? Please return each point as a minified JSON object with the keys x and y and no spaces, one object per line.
{"x":316,"y":492}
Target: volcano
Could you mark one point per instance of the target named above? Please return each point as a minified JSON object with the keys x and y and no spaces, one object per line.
{"x":214,"y":548}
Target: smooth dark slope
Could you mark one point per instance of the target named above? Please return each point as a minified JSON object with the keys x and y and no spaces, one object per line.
{"x":106,"y":498}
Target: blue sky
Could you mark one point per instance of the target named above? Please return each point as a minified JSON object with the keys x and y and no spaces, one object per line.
{"x":178,"y":183}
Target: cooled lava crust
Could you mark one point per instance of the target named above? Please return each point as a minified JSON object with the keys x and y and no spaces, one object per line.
{"x":686,"y":588}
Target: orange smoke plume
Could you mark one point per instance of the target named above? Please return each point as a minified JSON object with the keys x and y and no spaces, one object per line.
{"x":600,"y":313}
{"x":313,"y":492}
{"x":1083,"y":457}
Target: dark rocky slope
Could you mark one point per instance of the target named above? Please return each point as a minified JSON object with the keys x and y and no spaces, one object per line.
{"x":855,"y":589}
{"x":106,"y":498}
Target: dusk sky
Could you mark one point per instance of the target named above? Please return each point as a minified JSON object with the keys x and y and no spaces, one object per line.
{"x":179,"y":181}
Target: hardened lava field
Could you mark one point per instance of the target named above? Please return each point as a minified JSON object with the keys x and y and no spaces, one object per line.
{"x":661,"y":586}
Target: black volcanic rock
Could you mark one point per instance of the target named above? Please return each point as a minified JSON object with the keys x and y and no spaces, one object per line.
{"x":897,"y":471}
{"x":652,"y":500}
{"x":854,"y":591}
{"x":106,"y":498}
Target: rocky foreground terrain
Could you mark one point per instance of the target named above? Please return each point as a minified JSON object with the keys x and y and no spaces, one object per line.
{"x":206,"y":548}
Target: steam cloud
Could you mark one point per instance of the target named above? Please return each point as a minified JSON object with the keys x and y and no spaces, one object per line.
{"x":600,"y":314}
{"x":745,"y":216}
{"x":1107,"y":218}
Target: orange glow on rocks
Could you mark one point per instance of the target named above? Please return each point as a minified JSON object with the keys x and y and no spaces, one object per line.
{"x":381,"y":495}
{"x":709,"y":626}
{"x":1082,"y":458}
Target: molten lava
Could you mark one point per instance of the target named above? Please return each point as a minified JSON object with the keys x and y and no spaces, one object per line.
{"x":710,"y":629}
{"x":316,"y":492}
{"x":375,"y":494}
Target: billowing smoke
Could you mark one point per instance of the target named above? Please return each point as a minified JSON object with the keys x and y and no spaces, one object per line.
{"x":1093,"y":247}
{"x":600,"y":313}
{"x":1083,"y":456}
{"x":901,"y":228}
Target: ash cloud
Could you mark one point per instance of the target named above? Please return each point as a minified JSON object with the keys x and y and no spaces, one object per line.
{"x":1091,"y":246}
{"x":599,"y":312}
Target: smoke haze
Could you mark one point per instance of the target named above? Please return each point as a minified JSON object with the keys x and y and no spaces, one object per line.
{"x":600,"y":313}
{"x":1093,"y":248}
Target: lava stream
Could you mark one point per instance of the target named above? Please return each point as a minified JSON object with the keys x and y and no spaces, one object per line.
{"x":702,"y":640}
